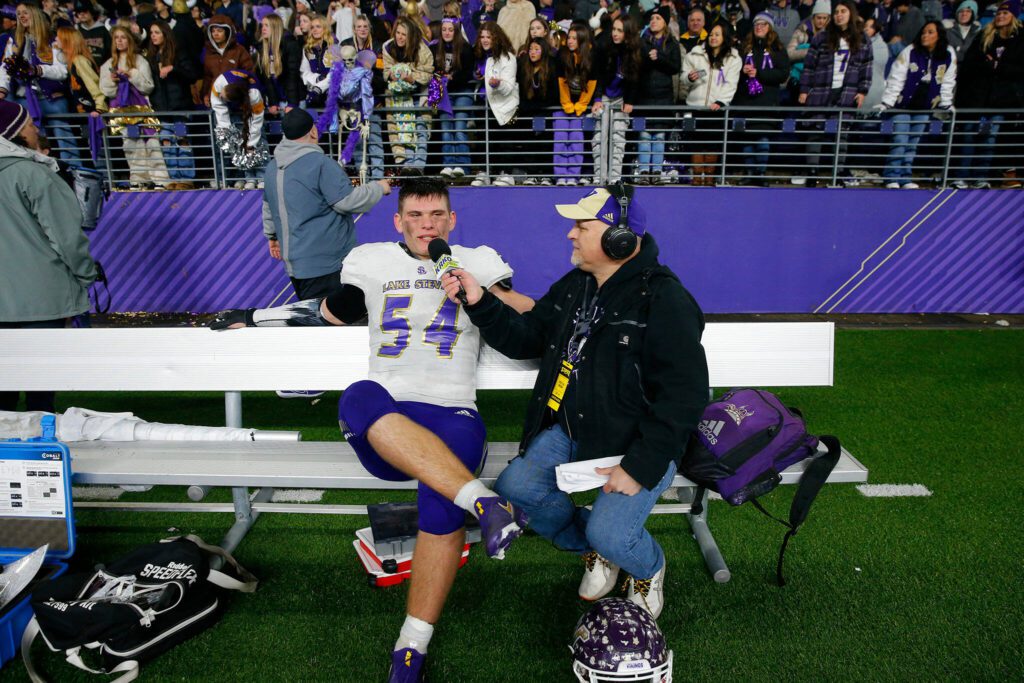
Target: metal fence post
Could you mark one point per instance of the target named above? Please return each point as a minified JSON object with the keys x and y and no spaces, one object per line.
{"x":219,"y":171}
{"x":949,"y":148}
{"x":487,"y":144}
{"x":106,"y":151}
{"x":725,"y":146}
{"x":835,"y":151}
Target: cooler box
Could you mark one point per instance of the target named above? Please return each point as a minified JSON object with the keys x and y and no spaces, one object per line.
{"x":385,"y":548}
{"x":35,"y":509}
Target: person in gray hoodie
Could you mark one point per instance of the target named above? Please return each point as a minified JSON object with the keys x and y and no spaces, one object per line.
{"x":308,"y":203}
{"x":963,"y":28}
{"x":45,"y":266}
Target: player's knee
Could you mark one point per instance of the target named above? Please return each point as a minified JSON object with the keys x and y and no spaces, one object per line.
{"x":362,"y":404}
{"x":509,"y":482}
{"x":607,"y":539}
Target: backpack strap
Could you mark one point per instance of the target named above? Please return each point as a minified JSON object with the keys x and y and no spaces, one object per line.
{"x":248,"y":582}
{"x":129,"y":668}
{"x":814,"y":477}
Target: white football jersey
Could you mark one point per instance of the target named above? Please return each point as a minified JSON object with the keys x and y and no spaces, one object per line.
{"x":423,"y":347}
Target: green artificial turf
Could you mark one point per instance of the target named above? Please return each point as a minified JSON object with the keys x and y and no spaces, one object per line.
{"x":879,"y":589}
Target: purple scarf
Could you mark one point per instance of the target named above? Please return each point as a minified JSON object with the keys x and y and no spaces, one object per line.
{"x":754,"y":86}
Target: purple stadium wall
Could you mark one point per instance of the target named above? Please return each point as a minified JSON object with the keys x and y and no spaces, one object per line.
{"x":739,"y":250}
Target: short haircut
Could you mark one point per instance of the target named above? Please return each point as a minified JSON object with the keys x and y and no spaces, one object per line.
{"x":423,"y":186}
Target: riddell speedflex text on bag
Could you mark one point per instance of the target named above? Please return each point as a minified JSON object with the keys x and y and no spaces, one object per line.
{"x":743,"y":443}
{"x":133,"y":609}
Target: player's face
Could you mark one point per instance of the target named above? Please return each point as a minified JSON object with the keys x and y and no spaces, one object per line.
{"x":423,"y":219}
{"x":586,"y":244}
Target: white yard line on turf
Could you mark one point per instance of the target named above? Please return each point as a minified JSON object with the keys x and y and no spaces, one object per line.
{"x":894,"y":490}
{"x":297,"y":496}
{"x":96,"y":492}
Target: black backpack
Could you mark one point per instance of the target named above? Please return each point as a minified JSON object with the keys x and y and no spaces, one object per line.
{"x":134,"y":609}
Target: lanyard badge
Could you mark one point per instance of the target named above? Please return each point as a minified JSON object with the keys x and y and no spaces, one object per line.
{"x":561,"y":382}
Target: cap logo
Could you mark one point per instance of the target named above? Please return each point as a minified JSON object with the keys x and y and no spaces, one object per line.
{"x":609,"y":216}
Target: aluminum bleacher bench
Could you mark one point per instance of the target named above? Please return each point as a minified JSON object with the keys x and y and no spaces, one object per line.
{"x":191,"y":359}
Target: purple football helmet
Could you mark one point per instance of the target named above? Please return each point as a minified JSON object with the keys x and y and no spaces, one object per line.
{"x":617,"y":640}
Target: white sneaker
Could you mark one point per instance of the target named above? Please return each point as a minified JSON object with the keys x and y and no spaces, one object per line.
{"x":458,"y":172}
{"x":798,"y":180}
{"x":673,"y":177}
{"x":892,"y":186}
{"x":446,"y":172}
{"x":480,"y":180}
{"x":505,"y":180}
{"x":911,"y":186}
{"x":561,"y":181}
{"x":982,"y":184}
{"x":239,"y":184}
{"x":259,"y":184}
{"x":298,"y":393}
{"x":545,"y":181}
{"x":249,"y":185}
{"x":598,"y":577}
{"x":960,"y":184}
{"x":570,"y":181}
{"x":530,"y":181}
{"x":649,"y":593}
{"x":663,"y":178}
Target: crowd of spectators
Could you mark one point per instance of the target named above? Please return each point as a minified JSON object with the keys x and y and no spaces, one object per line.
{"x":536,"y":74}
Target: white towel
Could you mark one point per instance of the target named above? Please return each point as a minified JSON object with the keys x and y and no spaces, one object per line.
{"x":580,"y":476}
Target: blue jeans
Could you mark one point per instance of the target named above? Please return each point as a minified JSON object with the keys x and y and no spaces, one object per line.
{"x":755,"y":156}
{"x":615,"y":526}
{"x":906,"y":133}
{"x":982,"y":134}
{"x":455,"y":142}
{"x":55,"y":127}
{"x":650,"y":152}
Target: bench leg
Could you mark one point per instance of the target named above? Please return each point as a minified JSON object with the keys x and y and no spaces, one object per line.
{"x":245,"y":517}
{"x":708,"y":547}
{"x":233,"y":408}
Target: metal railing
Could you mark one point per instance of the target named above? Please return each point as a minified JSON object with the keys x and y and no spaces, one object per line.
{"x":660,"y":145}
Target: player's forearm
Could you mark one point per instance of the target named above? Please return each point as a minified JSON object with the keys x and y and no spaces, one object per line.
{"x":520,"y":302}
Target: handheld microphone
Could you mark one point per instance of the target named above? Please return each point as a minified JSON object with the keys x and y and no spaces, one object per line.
{"x":441,"y":255}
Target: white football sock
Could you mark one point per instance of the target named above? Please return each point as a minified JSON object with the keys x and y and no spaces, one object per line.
{"x":468,"y":494}
{"x":415,"y":634}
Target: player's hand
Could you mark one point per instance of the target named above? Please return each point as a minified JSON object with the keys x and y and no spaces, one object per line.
{"x":232,"y":319}
{"x":619,"y":481}
{"x":457,"y":277}
{"x":275,"y":249}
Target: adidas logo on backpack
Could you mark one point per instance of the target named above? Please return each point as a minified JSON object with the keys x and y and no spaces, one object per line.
{"x":710,"y":429}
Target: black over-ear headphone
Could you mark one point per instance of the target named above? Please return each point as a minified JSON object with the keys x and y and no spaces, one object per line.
{"x":618,"y":241}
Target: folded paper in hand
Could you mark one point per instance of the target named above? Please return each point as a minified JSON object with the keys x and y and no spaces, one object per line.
{"x":580,"y":476}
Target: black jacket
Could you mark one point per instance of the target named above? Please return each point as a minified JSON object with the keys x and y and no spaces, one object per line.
{"x":643,"y":378}
{"x":290,"y":79}
{"x":606,"y":63}
{"x":656,"y":75}
{"x":771,"y":79}
{"x":994,"y":77}
{"x":174,"y":93}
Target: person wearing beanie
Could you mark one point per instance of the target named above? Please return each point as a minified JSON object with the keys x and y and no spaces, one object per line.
{"x":800,"y":41}
{"x":964,"y":29}
{"x":308,"y":208}
{"x":991,"y":78}
{"x":45,"y":266}
{"x":662,"y":60}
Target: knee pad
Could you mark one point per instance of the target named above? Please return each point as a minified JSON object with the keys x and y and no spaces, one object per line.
{"x":362,"y":404}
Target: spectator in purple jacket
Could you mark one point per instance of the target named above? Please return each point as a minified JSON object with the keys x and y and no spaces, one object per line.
{"x":837,"y":71}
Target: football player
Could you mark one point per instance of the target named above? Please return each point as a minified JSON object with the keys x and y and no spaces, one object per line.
{"x":415,"y":417}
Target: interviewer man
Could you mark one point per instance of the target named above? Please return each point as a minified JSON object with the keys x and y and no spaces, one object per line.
{"x":622,"y":373}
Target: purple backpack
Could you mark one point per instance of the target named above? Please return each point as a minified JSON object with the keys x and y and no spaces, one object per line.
{"x":743,"y":442}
